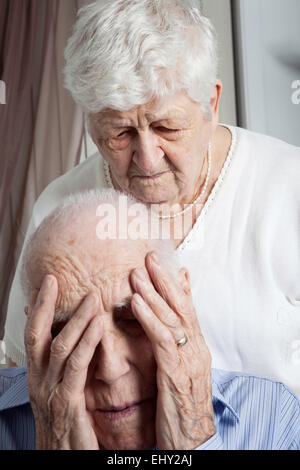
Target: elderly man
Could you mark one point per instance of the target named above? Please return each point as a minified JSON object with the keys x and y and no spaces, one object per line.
{"x":116,"y":358}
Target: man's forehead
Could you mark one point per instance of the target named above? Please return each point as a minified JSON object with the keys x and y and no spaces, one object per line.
{"x":114,"y":296}
{"x":102,"y":269}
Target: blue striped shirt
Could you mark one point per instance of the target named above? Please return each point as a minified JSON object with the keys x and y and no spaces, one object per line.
{"x":250,"y":413}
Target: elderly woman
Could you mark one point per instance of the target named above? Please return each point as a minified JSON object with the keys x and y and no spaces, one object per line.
{"x":145,"y":73}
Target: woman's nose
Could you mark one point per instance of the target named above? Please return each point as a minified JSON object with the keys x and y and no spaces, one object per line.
{"x":147,"y":154}
{"x":111,"y":358}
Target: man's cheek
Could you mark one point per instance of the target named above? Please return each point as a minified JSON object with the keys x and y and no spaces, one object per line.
{"x":148,"y":365}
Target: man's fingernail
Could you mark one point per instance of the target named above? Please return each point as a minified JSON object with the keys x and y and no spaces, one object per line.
{"x":93,"y":299}
{"x":96,"y":320}
{"x":155,"y":258}
{"x":138,"y":299}
{"x":48,"y":281}
{"x":139,"y":273}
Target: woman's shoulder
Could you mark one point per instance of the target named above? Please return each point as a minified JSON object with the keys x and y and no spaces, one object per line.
{"x":87,"y":175}
{"x":267,"y":162}
{"x":267,"y":149}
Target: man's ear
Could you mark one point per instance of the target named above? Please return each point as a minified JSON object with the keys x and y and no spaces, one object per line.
{"x":184,"y":280}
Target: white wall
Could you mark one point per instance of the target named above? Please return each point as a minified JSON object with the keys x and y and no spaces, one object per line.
{"x":219,"y":12}
{"x":268,"y":64}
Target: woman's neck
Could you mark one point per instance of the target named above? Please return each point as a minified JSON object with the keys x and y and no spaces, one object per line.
{"x":181,"y":226}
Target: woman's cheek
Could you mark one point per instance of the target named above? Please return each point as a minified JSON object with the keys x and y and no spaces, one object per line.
{"x":119,"y":166}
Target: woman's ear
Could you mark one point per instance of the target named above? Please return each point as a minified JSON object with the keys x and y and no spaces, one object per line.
{"x":184,"y":280}
{"x":215,"y":97}
{"x":214,"y":103}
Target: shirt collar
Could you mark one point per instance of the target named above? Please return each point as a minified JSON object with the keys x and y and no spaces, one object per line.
{"x":17,"y":393}
{"x":218,"y":397}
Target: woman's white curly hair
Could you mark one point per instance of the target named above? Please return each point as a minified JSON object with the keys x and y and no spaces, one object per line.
{"x":124,"y":53}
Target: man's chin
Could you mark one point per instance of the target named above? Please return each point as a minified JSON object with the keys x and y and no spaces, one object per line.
{"x":140,"y":441}
{"x":128,"y":446}
{"x":134,"y":430}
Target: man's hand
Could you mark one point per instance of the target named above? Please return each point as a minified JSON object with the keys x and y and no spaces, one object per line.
{"x":57,"y":370}
{"x":184,"y":417}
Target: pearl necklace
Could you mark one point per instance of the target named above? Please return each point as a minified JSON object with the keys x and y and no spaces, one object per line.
{"x":173,"y":216}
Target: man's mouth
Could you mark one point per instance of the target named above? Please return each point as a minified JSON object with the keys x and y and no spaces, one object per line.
{"x":118,"y":412}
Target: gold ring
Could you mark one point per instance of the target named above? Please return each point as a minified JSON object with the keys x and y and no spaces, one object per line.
{"x":182,"y":341}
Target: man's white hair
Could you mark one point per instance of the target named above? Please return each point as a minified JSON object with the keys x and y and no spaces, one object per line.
{"x":70,"y":211}
{"x":124,"y":53}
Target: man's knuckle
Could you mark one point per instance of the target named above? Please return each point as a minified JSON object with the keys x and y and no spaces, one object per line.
{"x":74,"y":363}
{"x":166,"y":340}
{"x":182,"y":306}
{"x":58,"y":347}
{"x":31,"y":337}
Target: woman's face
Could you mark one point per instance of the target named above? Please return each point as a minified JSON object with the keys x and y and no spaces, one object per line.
{"x":155,"y":151}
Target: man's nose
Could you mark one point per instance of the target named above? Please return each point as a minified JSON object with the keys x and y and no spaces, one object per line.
{"x":147,"y":152}
{"x":111,"y":358}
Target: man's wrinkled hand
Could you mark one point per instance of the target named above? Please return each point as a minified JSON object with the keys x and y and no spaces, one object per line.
{"x":57,"y":370}
{"x":164,"y":307}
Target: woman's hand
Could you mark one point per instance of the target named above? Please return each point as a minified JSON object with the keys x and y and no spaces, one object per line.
{"x":57,"y":371}
{"x":164,"y":308}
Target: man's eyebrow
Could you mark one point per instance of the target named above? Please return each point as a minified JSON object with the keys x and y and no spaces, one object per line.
{"x":61,"y":318}
{"x":122,"y":307}
{"x":124,"y":304}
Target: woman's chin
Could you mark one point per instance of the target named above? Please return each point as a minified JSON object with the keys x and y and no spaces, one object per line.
{"x":152,"y":197}
{"x":153,"y":193}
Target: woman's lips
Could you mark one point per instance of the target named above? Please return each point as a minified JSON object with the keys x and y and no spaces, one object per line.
{"x":153,"y":177}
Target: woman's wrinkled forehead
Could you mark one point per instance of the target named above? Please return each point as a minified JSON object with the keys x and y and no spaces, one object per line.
{"x":177,"y":106}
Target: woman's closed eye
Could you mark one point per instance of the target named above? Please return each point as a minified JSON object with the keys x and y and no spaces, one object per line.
{"x":166,"y":129}
{"x":122,"y":134}
{"x":168,"y":133}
